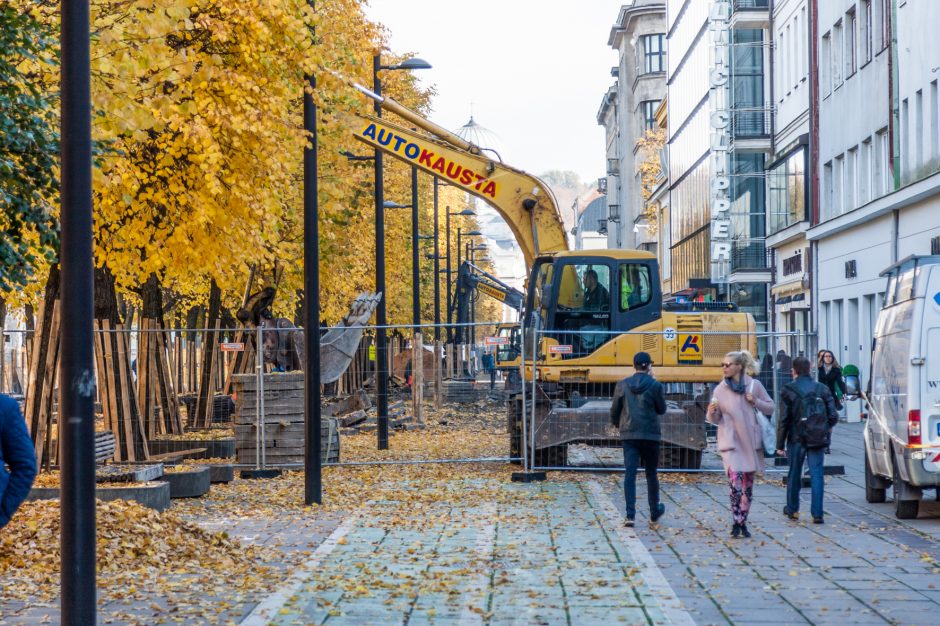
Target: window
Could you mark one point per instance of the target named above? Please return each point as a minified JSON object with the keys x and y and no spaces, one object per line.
{"x":864,"y":173}
{"x":885,"y":23}
{"x":826,"y":66}
{"x":851,"y":176}
{"x":886,"y":177}
{"x":919,"y":128}
{"x":635,"y":286}
{"x":788,"y":66}
{"x":804,"y":47}
{"x":934,"y":130}
{"x":905,"y":137}
{"x":654,"y":53}
{"x":865,"y":32}
{"x":849,"y":54}
{"x":648,"y":114}
{"x":786,"y":188}
{"x":827,"y":191}
{"x":837,"y":52}
{"x":779,"y":59}
{"x":838,"y":178}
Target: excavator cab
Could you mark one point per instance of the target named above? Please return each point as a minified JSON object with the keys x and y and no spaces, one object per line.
{"x":584,"y":298}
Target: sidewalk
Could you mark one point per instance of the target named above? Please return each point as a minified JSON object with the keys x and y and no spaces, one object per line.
{"x":549,"y":553}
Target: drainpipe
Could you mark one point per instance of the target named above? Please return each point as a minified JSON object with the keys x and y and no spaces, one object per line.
{"x":813,"y":161}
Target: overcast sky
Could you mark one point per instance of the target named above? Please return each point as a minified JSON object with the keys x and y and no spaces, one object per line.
{"x":534,"y":72}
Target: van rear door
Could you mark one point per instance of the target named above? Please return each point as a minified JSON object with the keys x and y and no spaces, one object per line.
{"x":930,"y":394}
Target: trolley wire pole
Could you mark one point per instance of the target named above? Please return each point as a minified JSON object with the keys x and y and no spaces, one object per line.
{"x":76,"y":371}
{"x":313,"y":463}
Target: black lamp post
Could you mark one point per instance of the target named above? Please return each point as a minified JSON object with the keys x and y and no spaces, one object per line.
{"x":381,"y":343}
{"x":471,"y":248}
{"x":450,"y":321}
{"x":76,"y":381}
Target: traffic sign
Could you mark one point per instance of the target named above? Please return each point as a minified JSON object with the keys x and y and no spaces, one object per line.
{"x":496,"y":341}
{"x":232,"y":347}
{"x":560,"y":349}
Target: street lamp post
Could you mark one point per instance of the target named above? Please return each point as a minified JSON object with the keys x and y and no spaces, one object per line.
{"x":450,"y":321}
{"x":381,"y":341}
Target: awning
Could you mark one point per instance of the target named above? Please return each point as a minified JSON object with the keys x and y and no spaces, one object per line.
{"x":787,"y":289}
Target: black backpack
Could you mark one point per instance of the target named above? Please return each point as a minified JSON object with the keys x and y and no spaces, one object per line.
{"x":812,"y":426}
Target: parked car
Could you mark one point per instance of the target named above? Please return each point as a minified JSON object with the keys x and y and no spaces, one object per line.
{"x":902,"y":434}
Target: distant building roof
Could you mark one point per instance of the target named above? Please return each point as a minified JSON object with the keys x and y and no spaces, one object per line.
{"x":596,"y":210}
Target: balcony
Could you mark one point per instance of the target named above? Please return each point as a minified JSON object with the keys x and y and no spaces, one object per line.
{"x":748,"y":256}
{"x":750,"y":13}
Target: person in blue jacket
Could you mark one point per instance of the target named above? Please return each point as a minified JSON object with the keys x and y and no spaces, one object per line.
{"x":16,"y":452}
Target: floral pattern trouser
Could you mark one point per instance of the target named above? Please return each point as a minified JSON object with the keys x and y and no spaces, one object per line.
{"x":742,"y":487}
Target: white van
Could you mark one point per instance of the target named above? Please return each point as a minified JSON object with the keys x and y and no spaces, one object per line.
{"x":902,"y":434}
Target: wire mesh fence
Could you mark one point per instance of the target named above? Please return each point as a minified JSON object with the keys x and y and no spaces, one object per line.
{"x":566,"y":417}
{"x":208,"y":395}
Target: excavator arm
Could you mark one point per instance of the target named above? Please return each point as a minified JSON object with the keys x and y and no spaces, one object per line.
{"x":525,"y":202}
{"x":470,"y":279}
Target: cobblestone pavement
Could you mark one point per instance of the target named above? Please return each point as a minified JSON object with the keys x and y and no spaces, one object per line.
{"x":863,"y":566}
{"x":555,"y":554}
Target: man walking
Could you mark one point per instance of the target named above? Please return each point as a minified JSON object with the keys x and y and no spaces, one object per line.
{"x":16,"y":452}
{"x":637,"y":404}
{"x":807,"y":417}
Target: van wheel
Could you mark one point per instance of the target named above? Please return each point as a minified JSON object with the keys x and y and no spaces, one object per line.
{"x":903,"y":509}
{"x":872,"y":492}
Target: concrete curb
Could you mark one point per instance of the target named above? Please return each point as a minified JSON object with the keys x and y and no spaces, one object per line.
{"x":189,"y":484}
{"x":155,"y":495}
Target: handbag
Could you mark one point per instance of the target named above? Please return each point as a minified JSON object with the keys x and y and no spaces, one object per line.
{"x":767,"y":431}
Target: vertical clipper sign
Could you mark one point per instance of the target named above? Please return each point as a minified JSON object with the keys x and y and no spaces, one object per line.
{"x":430,"y":157}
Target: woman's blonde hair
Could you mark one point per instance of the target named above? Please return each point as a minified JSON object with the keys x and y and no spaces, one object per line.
{"x":747,"y":362}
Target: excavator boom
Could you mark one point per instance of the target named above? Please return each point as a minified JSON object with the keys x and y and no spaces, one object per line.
{"x":525,"y":202}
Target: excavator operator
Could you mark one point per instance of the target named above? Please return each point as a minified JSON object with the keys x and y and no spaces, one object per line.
{"x":596,"y":296}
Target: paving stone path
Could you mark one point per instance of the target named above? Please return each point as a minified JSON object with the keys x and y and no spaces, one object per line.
{"x":533,"y":554}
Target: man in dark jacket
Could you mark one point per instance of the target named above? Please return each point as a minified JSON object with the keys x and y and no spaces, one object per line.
{"x":637,"y":404}
{"x":16,"y":451}
{"x":788,"y":435}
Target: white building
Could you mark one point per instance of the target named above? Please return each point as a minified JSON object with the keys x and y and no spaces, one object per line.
{"x":878,"y":158}
{"x":787,"y":173}
{"x":628,"y":110}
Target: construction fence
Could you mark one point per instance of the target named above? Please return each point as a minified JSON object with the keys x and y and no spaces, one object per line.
{"x":174,"y":395}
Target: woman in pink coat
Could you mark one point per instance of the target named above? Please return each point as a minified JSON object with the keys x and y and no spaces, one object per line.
{"x":739,"y":435}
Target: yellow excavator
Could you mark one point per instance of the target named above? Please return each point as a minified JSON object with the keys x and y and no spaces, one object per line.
{"x":591,"y":310}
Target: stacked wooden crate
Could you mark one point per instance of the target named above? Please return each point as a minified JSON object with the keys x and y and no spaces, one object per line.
{"x":283,"y":411}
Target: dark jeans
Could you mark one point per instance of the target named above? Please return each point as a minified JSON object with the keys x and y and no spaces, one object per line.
{"x":492,"y":378}
{"x":633,"y":451}
{"x":814,"y":458}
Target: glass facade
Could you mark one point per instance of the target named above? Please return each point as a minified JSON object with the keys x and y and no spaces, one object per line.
{"x":747,"y":211}
{"x":750,"y":116}
{"x":786,"y":186}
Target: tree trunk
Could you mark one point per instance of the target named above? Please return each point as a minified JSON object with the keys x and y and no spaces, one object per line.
{"x":43,"y":366}
{"x":116,"y":388}
{"x":156,"y":393}
{"x":207,"y":376}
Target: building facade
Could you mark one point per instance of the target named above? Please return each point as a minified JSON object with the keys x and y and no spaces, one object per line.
{"x":879,"y":187}
{"x":718,"y":145}
{"x":628,"y":110}
{"x":788,"y":171}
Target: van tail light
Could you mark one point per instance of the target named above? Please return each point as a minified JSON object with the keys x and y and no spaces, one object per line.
{"x":913,"y":428}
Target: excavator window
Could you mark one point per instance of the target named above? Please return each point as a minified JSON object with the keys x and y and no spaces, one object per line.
{"x":635,"y":286}
{"x":584,"y":307}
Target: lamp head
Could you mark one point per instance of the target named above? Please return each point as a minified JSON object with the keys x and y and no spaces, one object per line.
{"x":388,"y":204}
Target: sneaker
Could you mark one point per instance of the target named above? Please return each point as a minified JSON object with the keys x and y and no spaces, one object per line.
{"x":628,"y":522}
{"x":818,"y":520}
{"x":794,"y":515}
{"x":660,"y":510}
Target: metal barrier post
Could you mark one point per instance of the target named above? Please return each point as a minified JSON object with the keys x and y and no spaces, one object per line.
{"x":259,"y":441}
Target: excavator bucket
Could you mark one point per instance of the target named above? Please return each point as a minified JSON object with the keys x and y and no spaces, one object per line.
{"x":339,"y":344}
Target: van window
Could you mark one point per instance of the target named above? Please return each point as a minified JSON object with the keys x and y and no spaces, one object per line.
{"x":905,"y":286}
{"x":891,"y":291}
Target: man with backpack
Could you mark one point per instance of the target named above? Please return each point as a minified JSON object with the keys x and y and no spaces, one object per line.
{"x":807,"y":416}
{"x":636,"y":408}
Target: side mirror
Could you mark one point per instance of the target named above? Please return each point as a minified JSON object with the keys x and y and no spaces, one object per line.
{"x":853,"y":384}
